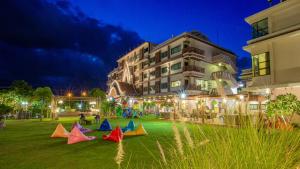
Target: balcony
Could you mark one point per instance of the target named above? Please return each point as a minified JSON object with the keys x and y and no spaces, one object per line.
{"x":194,"y":68}
{"x":226,"y":76}
{"x":221,"y":58}
{"x":193,"y":87}
{"x":193,"y":50}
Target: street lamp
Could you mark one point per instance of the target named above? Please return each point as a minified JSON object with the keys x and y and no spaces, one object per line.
{"x":69,"y":96}
{"x":83,"y":93}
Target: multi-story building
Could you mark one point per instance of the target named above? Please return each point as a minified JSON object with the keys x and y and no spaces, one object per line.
{"x":187,"y":63}
{"x":275,"y":49}
{"x":246,"y":77}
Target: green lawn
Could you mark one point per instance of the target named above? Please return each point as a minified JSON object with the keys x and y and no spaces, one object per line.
{"x":27,"y":144}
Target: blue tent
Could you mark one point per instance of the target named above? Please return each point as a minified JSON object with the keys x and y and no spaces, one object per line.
{"x":105,"y":126}
{"x":130,"y":126}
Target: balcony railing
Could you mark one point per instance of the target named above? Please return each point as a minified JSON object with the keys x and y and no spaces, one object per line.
{"x":193,"y":50}
{"x":221,"y":58}
{"x":194,"y":68}
{"x":223,"y":76}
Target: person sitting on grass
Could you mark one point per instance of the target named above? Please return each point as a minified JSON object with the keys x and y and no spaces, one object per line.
{"x":82,"y":118}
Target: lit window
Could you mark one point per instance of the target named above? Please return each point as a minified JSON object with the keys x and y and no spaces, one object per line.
{"x":261,"y":64}
{"x":176,"y":49}
{"x":253,"y":106}
{"x":204,"y":84}
{"x":176,"y":83}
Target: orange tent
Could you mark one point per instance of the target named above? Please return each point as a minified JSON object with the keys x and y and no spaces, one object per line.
{"x":60,"y":131}
{"x":77,"y":136}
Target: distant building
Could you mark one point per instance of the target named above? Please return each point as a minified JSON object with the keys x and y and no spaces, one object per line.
{"x":188,"y":62}
{"x":275,"y":49}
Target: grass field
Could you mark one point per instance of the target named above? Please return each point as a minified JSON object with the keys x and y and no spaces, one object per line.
{"x":26,"y":144}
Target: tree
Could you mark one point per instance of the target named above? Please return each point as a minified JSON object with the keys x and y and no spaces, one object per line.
{"x":100,"y":95}
{"x":107,"y":107}
{"x":42,"y":97}
{"x":22,"y":88}
{"x":4,"y":109}
{"x":283,"y":106}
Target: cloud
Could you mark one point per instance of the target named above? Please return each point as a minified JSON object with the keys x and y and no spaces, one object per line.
{"x":56,"y":43}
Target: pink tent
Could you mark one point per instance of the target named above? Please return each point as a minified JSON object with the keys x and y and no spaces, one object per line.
{"x":77,"y":136}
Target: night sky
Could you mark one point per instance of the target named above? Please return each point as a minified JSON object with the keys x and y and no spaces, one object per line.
{"x":74,"y":44}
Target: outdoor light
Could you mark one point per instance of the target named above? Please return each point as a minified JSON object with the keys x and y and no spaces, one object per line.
{"x":69,"y":94}
{"x":268,"y":91}
{"x":24,"y":103}
{"x":241,"y":85}
{"x":49,"y":106}
{"x":93,"y":102}
{"x":241,"y":97}
{"x":80,"y":106}
{"x":169,"y":100}
{"x":60,"y":102}
{"x":182,"y":95}
{"x":220,"y":64}
{"x":220,"y":80}
{"x":83,"y":93}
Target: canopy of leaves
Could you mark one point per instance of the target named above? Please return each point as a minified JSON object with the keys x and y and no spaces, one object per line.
{"x":21,"y":87}
{"x":283,"y":105}
{"x":96,"y":92}
{"x":4,"y":109}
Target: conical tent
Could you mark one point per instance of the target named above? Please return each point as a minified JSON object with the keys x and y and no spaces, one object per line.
{"x":130,"y":126}
{"x":77,"y":136}
{"x":138,"y":132}
{"x":60,"y":131}
{"x":105,"y":126}
{"x":116,"y":135}
{"x":82,"y":129}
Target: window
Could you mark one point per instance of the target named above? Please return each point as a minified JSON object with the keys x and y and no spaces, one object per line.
{"x":163,"y":54}
{"x":164,"y":85}
{"x":145,"y":64}
{"x":253,"y":106}
{"x":261,"y":64}
{"x":204,"y":84}
{"x":176,"y":49}
{"x":176,"y":83}
{"x":260,"y":28}
{"x":145,"y":89}
{"x":152,"y":60}
{"x":164,"y":70}
{"x":176,"y":66}
{"x":146,"y":50}
{"x":152,"y":73}
{"x":145,"y":75}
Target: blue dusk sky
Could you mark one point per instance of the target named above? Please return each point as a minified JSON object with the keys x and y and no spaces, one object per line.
{"x":75,"y":43}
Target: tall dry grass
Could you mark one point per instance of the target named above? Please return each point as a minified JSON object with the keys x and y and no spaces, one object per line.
{"x":211,"y":147}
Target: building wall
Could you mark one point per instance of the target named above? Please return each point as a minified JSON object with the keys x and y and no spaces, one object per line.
{"x":286,"y":56}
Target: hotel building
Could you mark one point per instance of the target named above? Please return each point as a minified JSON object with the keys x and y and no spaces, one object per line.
{"x":187,"y":65}
{"x":275,"y":50}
